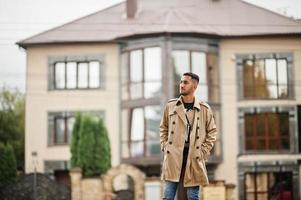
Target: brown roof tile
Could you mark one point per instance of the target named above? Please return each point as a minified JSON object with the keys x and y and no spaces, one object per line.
{"x":220,"y":18}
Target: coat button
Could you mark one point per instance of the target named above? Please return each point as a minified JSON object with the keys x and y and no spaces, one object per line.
{"x":172,"y":132}
{"x":170,"y":142}
{"x":197,"y":147}
{"x":198,"y":137}
{"x":197,"y":157}
{"x":198,"y":118}
{"x":173,"y":122}
{"x":167,"y":151}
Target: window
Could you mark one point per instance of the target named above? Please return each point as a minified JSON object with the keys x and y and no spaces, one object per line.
{"x":216,"y":152}
{"x":269,"y":185}
{"x":75,"y":72}
{"x":299,"y":125}
{"x":266,"y":76}
{"x":58,"y":170}
{"x":71,"y":75}
{"x":141,"y":73}
{"x":267,"y":131}
{"x":77,"y":75}
{"x":201,"y":63}
{"x":60,"y":126}
{"x":62,"y":129}
{"x":140,"y":131}
{"x":51,"y":165}
{"x":137,"y":132}
{"x":152,"y":190}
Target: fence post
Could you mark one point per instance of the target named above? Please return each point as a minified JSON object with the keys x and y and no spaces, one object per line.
{"x":76,"y":179}
{"x":35,"y":183}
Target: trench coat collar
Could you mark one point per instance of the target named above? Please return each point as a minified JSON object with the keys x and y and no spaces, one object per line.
{"x":179,"y":108}
{"x":195,"y":105}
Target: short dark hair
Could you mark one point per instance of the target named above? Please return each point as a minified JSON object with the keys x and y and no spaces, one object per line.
{"x":192,"y":75}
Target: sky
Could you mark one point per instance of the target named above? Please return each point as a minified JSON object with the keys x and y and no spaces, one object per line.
{"x":20,"y":19}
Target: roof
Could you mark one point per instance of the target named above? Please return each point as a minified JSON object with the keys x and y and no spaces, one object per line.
{"x":218,"y":18}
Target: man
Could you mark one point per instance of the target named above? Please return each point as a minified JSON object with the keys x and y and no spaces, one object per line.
{"x":187,"y":134}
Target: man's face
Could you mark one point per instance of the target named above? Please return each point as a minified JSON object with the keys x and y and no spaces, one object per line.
{"x":187,"y":86}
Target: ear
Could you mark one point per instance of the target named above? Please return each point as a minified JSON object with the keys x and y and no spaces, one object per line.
{"x":195,"y":85}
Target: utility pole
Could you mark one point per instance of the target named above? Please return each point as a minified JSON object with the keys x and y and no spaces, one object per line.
{"x":34,"y":155}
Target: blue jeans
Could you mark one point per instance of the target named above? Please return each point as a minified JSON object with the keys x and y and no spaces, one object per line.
{"x":170,"y":189}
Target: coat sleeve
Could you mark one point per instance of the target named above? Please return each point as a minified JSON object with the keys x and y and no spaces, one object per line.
{"x":211,"y":133}
{"x":164,"y":128}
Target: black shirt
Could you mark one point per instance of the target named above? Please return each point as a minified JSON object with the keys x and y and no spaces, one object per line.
{"x":188,"y":106}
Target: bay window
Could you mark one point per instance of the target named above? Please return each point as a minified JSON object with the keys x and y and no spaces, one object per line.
{"x":141,"y":132}
{"x":203,"y":64}
{"x":142,"y":73}
{"x":150,"y":73}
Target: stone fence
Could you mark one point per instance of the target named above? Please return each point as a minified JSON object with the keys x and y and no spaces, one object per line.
{"x":121,"y":182}
{"x":126,"y":182}
{"x":218,"y":190}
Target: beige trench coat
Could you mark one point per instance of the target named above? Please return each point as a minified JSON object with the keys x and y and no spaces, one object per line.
{"x":172,"y":138}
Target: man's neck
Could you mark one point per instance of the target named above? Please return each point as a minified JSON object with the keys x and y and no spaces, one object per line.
{"x":188,"y":99}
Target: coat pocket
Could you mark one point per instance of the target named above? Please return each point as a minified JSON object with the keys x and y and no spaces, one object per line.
{"x":204,"y":177}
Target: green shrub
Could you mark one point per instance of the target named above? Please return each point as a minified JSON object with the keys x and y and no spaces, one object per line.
{"x":8,"y":165}
{"x":90,"y":145}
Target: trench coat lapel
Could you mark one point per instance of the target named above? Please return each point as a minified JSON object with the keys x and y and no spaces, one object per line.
{"x":195,"y":119}
{"x":180,"y":111}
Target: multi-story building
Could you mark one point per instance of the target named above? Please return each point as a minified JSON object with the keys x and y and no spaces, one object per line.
{"x":123,"y":64}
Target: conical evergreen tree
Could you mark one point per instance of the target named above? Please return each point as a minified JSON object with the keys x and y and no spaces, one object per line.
{"x":104,"y":151}
{"x":90,"y":146}
{"x":74,"y":141}
{"x":87,"y":145}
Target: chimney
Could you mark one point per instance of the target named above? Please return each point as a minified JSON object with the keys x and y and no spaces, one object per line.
{"x":131,"y":8}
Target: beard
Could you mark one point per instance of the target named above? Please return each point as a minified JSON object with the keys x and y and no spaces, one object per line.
{"x":183,"y":93}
